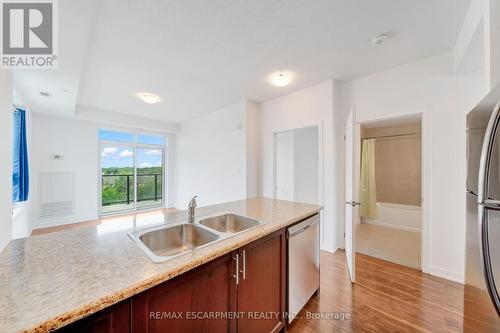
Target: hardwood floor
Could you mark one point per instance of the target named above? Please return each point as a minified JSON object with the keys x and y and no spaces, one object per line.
{"x":387,"y":297}
{"x":391,"y":298}
{"x":154,"y":216}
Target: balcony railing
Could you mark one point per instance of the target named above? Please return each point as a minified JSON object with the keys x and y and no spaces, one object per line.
{"x":119,"y":189}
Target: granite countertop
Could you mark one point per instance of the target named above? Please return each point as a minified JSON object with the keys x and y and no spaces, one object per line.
{"x":49,"y":281}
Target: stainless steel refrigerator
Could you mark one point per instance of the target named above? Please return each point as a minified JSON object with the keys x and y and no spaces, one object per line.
{"x":482,"y":273}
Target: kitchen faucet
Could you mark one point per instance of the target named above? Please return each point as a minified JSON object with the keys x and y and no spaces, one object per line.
{"x":191,"y":207}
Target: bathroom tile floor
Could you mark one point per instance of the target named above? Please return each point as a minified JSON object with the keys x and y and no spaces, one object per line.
{"x":394,"y":245}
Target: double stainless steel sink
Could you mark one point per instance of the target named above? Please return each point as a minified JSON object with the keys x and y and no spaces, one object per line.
{"x":169,"y":241}
{"x":229,"y":223}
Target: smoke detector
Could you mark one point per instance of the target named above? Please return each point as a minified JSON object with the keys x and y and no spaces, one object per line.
{"x":380,"y":39}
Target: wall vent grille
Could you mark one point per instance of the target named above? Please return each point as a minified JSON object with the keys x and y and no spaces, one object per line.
{"x":56,"y":194}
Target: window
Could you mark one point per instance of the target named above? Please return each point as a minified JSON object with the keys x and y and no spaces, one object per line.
{"x":132,"y":171}
{"x":151,"y":140}
{"x":20,"y":170}
{"x":105,"y":135}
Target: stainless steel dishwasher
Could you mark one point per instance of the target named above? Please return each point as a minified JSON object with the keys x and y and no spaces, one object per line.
{"x":303,"y":263}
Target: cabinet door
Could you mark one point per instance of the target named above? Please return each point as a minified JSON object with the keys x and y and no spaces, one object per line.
{"x":115,"y":319}
{"x":261,"y":288}
{"x":189,"y":302}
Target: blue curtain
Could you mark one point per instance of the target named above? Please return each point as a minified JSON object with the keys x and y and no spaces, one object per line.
{"x":20,"y":172}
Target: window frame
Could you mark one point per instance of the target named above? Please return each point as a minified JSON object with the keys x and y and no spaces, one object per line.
{"x":134,"y":145}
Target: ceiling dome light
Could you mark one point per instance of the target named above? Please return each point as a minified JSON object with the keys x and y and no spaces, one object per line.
{"x":281,"y":79}
{"x":149,"y":98}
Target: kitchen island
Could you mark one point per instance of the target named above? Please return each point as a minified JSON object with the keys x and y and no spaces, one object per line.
{"x":48,"y":282}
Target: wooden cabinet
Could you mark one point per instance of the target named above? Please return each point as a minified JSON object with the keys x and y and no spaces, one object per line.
{"x":261,"y":288}
{"x":186,"y":303}
{"x":115,"y":319}
{"x":208,"y":298}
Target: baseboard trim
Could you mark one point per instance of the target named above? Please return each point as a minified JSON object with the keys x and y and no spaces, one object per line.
{"x":132,"y":211}
{"x":445,"y":274}
{"x":328,"y":248}
{"x":29,"y":232}
{"x":388,"y":225}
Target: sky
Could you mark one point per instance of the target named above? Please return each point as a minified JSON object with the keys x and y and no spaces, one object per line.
{"x":116,"y":156}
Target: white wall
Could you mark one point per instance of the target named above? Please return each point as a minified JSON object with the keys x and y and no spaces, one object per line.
{"x":478,"y":43}
{"x":171,"y":170}
{"x":297,"y":165}
{"x":252,"y":131}
{"x":285,"y":166}
{"x":428,"y":87}
{"x":21,"y":220}
{"x":492,"y":41}
{"x":306,"y":167}
{"x":312,"y":106}
{"x":212,"y":157}
{"x":6,"y":161}
{"x":77,"y":141}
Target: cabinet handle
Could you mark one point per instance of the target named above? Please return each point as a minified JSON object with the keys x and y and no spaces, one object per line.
{"x":237,"y":275}
{"x":244,"y":271}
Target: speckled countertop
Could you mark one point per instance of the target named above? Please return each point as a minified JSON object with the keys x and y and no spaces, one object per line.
{"x":51,"y":280}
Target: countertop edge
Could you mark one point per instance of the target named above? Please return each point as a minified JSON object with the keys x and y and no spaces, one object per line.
{"x":88,"y":309}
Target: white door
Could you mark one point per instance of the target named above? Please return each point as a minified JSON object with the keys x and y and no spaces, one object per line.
{"x":351,"y":190}
{"x":285,"y":165}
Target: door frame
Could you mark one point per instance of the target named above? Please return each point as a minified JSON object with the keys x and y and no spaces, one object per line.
{"x":321,"y":168}
{"x":134,"y":145}
{"x":354,"y":183}
{"x":425,"y":179}
{"x":275,"y":161}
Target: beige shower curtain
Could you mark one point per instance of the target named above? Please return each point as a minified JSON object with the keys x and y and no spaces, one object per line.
{"x":368,"y":190}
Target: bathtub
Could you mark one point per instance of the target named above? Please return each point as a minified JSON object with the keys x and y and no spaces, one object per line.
{"x":404,"y":217}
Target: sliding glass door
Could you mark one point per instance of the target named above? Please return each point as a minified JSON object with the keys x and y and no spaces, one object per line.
{"x":149,"y":177}
{"x":132,"y":168}
{"x":117,"y":178}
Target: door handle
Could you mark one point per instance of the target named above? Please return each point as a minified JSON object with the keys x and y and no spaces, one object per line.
{"x":293,"y":232}
{"x":486,"y":204}
{"x":237,"y":275}
{"x":491,"y":204}
{"x":484,"y":250}
{"x":244,"y":270}
{"x":353,"y":203}
{"x":486,"y":152}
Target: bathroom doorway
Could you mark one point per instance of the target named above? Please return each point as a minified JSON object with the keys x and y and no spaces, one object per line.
{"x":390,"y":191}
{"x":297,"y":165}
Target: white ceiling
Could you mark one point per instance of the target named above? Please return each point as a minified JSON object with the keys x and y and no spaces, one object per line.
{"x":203,"y":55}
{"x":63,"y":83}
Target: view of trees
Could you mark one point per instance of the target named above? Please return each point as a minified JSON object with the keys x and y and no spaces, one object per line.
{"x":115,"y":180}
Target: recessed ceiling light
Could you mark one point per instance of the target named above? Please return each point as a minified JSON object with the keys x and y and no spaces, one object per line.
{"x":281,"y":79}
{"x":149,"y":98}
